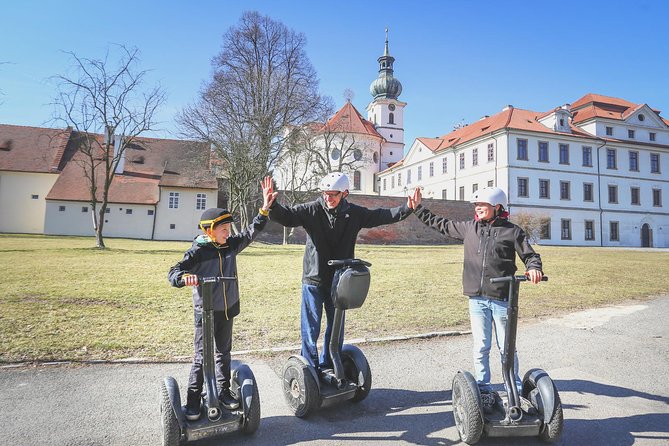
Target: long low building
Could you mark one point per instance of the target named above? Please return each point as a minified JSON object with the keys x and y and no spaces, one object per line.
{"x":159,"y":191}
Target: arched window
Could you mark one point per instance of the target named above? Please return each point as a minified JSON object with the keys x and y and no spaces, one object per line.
{"x":375,"y":157}
{"x":356,"y":180}
{"x":391,"y":118}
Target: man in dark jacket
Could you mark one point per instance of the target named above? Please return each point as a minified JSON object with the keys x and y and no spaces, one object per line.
{"x":332,"y":225}
{"x":491,"y":243}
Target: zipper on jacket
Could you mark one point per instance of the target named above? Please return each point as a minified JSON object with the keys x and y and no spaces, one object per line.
{"x":225,"y":297}
{"x":485,"y":252}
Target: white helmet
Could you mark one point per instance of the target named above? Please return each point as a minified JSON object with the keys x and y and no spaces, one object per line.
{"x":334,"y":181}
{"x":490,"y":195}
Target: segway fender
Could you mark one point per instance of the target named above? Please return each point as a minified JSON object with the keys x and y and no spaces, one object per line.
{"x":542,"y":382}
{"x":360,"y":361}
{"x":175,"y":398}
{"x":244,"y":378}
{"x":311,"y":370}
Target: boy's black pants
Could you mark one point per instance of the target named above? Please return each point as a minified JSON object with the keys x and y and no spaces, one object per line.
{"x":223,"y":345}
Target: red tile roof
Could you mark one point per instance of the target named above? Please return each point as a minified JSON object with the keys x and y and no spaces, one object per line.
{"x":32,"y":149}
{"x":599,"y":106}
{"x":349,"y":120}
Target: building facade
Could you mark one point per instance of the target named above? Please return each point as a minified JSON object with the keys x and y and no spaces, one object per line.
{"x":594,"y":172}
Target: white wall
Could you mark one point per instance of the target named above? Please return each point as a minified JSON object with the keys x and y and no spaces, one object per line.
{"x":21,"y":213}
{"x":181,"y":223}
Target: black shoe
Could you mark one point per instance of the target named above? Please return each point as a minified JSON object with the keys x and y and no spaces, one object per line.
{"x":488,"y":402}
{"x":193,"y":406}
{"x":227,"y":400}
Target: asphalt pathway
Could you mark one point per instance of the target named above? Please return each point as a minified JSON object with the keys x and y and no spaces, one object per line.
{"x":611,"y":367}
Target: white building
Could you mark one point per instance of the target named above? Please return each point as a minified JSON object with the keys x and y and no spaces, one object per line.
{"x":359,"y":147}
{"x":160,"y":192}
{"x":596,"y":170}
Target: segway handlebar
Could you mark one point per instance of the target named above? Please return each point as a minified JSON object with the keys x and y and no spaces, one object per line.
{"x":211,"y":279}
{"x":518,"y":278}
{"x":348,"y":262}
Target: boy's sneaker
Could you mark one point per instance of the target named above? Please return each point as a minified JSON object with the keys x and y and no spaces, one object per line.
{"x":193,"y":407}
{"x":227,"y":400}
{"x":488,"y":402}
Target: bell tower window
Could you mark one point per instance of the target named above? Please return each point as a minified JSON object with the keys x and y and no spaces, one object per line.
{"x":391,"y":118}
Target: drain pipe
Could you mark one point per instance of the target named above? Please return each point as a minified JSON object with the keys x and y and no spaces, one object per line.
{"x":599,"y":195}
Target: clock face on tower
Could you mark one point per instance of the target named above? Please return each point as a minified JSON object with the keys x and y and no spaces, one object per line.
{"x":391,"y":107}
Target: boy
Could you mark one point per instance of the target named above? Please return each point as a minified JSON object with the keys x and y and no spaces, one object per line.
{"x":214,"y":253}
{"x":491,"y":242}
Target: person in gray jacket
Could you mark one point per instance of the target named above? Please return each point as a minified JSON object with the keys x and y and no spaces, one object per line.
{"x":214,"y":254}
{"x":491,"y":243}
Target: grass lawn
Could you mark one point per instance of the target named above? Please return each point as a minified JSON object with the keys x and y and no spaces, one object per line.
{"x":61,"y":299}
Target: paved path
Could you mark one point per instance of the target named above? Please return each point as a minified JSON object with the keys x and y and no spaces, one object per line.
{"x":611,"y":367}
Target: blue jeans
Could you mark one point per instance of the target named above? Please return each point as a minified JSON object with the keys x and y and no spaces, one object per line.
{"x":484,"y":313}
{"x":314,"y":299}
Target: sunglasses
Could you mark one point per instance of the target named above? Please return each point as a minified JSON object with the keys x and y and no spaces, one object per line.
{"x":331,"y":194}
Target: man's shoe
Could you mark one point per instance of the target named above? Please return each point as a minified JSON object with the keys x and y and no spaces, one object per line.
{"x":227,"y":400}
{"x":488,"y":402}
{"x":193,"y":407}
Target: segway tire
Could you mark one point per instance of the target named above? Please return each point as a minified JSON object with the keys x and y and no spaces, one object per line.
{"x":171,"y":432}
{"x":299,"y":388}
{"x":551,"y":431}
{"x":352,"y":372}
{"x":252,"y":421}
{"x":467,"y":408}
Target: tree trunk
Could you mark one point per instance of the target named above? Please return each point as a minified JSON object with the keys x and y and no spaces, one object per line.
{"x":99,"y":239}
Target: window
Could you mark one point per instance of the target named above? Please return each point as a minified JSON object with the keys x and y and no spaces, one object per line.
{"x":431,"y":169}
{"x":419,"y":173}
{"x":630,"y":133}
{"x":544,"y":189}
{"x":654,"y":163}
{"x":336,"y":153}
{"x":545,"y":231}
{"x":391,"y":118}
{"x":651,"y":136}
{"x":611,"y":158}
{"x":107,"y":210}
{"x":613,"y":194}
{"x":589,"y":229}
{"x":641,"y":117}
{"x":408,"y":176}
{"x":173,"y":202}
{"x":61,"y":208}
{"x":399,"y":179}
{"x":173,"y":226}
{"x":522,"y":187}
{"x":587,"y":192}
{"x":34,"y":197}
{"x":128,"y":211}
{"x":635,"y":195}
{"x":385,"y":183}
{"x":634,"y":161}
{"x":587,"y":156}
{"x":491,"y":183}
{"x":475,"y":187}
{"x":564,"y":153}
{"x":475,"y":156}
{"x":543,"y":151}
{"x":356,"y":180}
{"x":375,"y":157}
{"x":565,"y":190}
{"x":522,"y":149}
{"x":657,"y":197}
{"x":491,"y":152}
{"x":149,"y":212}
{"x":613,"y":231}
{"x":357,"y":154}
{"x":462,"y":193}
{"x":201,"y":202}
{"x":565,"y":226}
{"x":609,"y":131}
{"x":444,"y":194}
{"x":444,"y":165}
{"x":462,"y":161}
{"x":392,"y":182}
{"x":84,"y":209}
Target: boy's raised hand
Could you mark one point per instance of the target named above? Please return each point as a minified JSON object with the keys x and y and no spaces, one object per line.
{"x":268,"y":193}
{"x":414,"y":199}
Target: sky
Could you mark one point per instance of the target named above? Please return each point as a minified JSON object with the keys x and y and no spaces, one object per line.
{"x":457,"y":61}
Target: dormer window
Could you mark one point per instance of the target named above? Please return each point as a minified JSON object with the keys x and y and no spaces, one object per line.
{"x":561,"y":122}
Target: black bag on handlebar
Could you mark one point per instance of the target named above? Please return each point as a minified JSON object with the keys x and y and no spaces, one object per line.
{"x":350,"y":286}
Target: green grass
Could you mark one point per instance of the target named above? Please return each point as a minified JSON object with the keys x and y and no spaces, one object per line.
{"x":61,"y":299}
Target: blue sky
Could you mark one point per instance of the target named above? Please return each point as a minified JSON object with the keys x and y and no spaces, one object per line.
{"x":456,"y":60}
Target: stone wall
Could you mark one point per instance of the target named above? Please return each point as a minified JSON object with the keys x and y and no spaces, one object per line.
{"x":408,"y":232}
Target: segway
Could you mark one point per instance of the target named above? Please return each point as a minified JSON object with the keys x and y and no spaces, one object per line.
{"x":351,"y":378}
{"x":215,"y":420}
{"x":540,"y":414}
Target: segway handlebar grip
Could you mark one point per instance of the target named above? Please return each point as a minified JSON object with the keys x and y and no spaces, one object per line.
{"x":518,"y":278}
{"x":348,"y":262}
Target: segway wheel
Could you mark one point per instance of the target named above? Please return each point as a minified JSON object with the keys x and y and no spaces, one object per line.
{"x":299,"y":388}
{"x":352,"y":371}
{"x":252,"y":421}
{"x":171,"y":431}
{"x":466,"y":408}
{"x":551,"y":431}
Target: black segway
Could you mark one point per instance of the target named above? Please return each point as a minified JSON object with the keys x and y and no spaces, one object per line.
{"x":215,"y":421}
{"x":540,"y":414}
{"x":351,"y":377}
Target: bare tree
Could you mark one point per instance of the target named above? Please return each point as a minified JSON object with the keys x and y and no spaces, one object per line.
{"x":531,"y":223}
{"x":262,"y":84}
{"x":103,"y":97}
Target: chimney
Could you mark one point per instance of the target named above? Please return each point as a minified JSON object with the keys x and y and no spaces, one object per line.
{"x":117,"y":147}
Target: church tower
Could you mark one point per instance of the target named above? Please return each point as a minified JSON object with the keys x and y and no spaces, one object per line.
{"x":386,"y":112}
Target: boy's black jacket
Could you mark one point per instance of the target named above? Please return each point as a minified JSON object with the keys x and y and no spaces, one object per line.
{"x":490,"y":251}
{"x":331,"y":234}
{"x":206,"y":259}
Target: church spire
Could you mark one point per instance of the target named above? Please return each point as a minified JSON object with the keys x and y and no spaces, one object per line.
{"x":386,"y":85}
